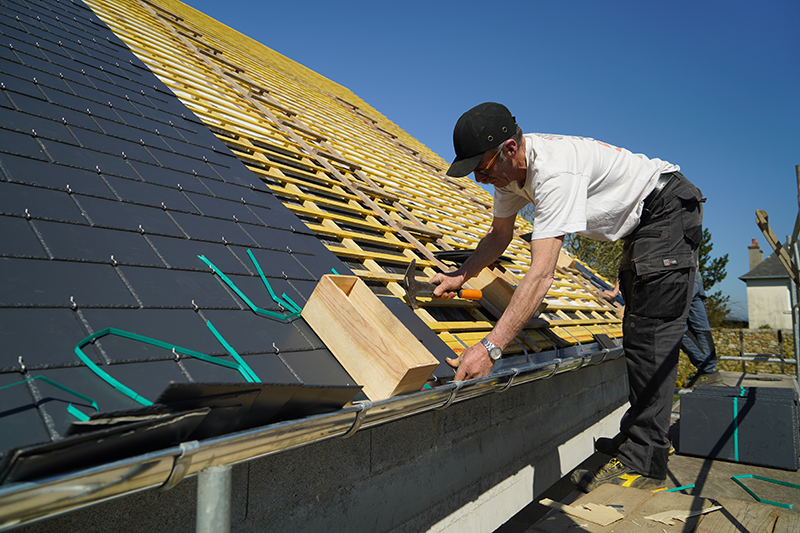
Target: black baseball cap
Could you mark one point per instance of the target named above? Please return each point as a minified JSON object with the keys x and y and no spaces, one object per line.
{"x":483,"y":127}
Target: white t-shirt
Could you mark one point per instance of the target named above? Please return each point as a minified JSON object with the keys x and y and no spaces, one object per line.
{"x":580,"y":185}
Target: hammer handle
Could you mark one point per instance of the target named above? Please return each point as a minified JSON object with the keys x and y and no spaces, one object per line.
{"x":470,"y":294}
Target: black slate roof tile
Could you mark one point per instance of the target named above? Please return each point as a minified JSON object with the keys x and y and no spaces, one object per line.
{"x":317,"y":367}
{"x":85,"y":382}
{"x":187,"y":289}
{"x":26,"y":72}
{"x":79,"y":118}
{"x":269,"y":368}
{"x":319,"y":265}
{"x":40,"y":127}
{"x":256,"y":291}
{"x":237,"y":193}
{"x":85,"y":243}
{"x":19,"y":239}
{"x":20,"y":143}
{"x":120,"y":215}
{"x":136,"y":191}
{"x":212,"y":229}
{"x":23,"y":200}
{"x":150,"y":378}
{"x":179,"y":327}
{"x":169,"y":178}
{"x":64,"y":331}
{"x":249,"y":333}
{"x":87,"y":159}
{"x":273,"y":263}
{"x":182,"y":253}
{"x":22,"y":424}
{"x":115,"y":146}
{"x":33,"y":282}
{"x":223,"y":208}
{"x":49,"y":175}
{"x":178,"y":193}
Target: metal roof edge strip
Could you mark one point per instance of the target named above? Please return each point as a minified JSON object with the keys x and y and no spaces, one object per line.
{"x":23,"y":503}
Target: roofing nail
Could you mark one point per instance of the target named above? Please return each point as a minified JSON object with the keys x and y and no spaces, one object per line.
{"x":277,"y":351}
{"x":141,"y":229}
{"x":72,"y":302}
{"x":223,"y":240}
{"x":33,"y":132}
{"x":27,"y":214}
{"x":195,"y":306}
{"x":235,"y":219}
{"x":289,"y":249}
{"x":21,"y":364}
{"x":284,"y":275}
{"x":97,"y":167}
{"x":176,"y":354}
{"x":69,"y":190}
{"x":113,"y":261}
{"x":163,"y":206}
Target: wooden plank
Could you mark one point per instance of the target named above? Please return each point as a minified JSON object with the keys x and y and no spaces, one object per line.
{"x":598,"y":514}
{"x":375,"y":348}
{"x":740,"y":516}
{"x":635,"y":504}
{"x":787,"y":523}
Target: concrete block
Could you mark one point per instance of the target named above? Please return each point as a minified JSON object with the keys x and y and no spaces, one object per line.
{"x":285,"y":478}
{"x":401,"y":441}
{"x":462,"y":420}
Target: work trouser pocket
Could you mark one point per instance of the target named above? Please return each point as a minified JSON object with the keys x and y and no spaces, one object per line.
{"x":663,"y":294}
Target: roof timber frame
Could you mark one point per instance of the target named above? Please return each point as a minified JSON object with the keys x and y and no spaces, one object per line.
{"x":375,"y":196}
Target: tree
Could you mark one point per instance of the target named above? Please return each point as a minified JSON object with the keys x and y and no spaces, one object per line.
{"x":713,"y":272}
{"x":601,"y":256}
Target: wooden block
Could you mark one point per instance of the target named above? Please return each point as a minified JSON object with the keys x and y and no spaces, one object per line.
{"x":375,"y":348}
{"x":564,"y":260}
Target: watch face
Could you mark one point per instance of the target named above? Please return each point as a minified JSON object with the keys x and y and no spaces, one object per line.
{"x":495,"y":353}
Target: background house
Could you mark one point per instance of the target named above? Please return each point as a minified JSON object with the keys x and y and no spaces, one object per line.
{"x":768,"y":299}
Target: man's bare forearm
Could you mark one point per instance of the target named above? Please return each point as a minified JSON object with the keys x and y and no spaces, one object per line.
{"x":529,"y":293}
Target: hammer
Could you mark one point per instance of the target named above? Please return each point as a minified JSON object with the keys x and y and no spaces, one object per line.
{"x":416,"y":288}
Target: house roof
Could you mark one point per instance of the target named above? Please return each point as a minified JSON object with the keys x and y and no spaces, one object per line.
{"x":769,"y":268}
{"x":166,"y":214}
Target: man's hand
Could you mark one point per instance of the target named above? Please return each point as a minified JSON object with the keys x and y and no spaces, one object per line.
{"x":447,"y":284}
{"x":473,"y":363}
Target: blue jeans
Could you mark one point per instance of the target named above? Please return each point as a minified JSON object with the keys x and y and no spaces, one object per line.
{"x":697,"y":342}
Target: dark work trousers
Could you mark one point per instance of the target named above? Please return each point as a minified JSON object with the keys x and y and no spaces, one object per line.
{"x":656,"y":278}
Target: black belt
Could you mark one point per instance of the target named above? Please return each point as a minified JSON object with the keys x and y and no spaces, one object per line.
{"x":663,"y":183}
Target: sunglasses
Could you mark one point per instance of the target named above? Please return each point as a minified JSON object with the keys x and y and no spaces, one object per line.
{"x":485,"y":169}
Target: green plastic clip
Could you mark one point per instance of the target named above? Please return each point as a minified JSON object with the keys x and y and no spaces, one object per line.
{"x":71,"y":409}
{"x":760,"y":500}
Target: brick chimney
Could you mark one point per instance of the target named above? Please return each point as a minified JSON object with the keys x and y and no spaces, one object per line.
{"x":756,"y":255}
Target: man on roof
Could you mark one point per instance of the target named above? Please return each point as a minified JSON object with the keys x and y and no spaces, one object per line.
{"x":577,"y":184}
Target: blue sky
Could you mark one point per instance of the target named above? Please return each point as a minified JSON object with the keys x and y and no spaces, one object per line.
{"x":706,"y":84}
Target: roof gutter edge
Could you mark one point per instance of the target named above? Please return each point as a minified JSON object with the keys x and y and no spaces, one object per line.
{"x":27,"y":502}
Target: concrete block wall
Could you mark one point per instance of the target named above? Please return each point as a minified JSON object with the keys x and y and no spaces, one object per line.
{"x":469,"y":467}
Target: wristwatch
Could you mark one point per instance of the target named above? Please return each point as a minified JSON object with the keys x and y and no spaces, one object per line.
{"x":495,"y":352}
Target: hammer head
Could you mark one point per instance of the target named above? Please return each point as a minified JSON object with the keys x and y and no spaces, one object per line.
{"x":411,"y":284}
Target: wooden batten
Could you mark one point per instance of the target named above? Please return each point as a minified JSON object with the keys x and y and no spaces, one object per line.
{"x":375,"y":348}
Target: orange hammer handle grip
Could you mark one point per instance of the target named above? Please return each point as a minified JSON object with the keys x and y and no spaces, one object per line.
{"x":470,"y":294}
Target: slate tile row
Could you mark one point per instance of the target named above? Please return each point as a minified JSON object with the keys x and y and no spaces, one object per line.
{"x":95,"y":239}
